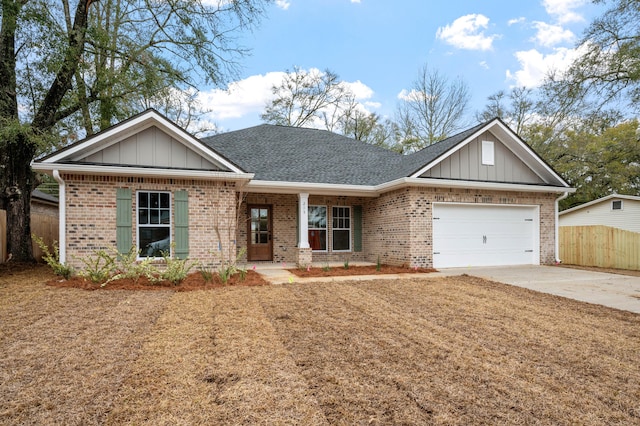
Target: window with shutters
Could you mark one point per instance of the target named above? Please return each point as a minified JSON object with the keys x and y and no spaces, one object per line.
{"x":153,"y":223}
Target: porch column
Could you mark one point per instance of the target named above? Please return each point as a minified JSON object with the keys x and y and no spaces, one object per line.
{"x":305,"y":255}
{"x":303,"y":214}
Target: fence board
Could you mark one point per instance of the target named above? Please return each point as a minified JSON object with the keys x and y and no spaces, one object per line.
{"x":44,"y":226}
{"x":600,"y":246}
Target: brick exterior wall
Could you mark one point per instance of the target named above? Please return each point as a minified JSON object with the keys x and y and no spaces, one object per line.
{"x":284,"y":210}
{"x":91,"y":214}
{"x":397,"y":225}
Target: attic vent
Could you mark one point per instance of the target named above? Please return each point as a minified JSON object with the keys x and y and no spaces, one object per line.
{"x":488,"y":157}
{"x":616,"y":205}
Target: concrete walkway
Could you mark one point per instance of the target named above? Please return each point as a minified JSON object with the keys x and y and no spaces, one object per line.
{"x":612,"y":290}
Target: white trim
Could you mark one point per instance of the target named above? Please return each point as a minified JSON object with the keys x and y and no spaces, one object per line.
{"x":557,"y":226}
{"x":535,"y":207}
{"x":488,"y":153}
{"x":599,"y":200}
{"x":303,"y":218}
{"x":276,"y":187}
{"x":144,"y":121}
{"x":141,"y":171}
{"x":503,"y":132}
{"x":333,"y":250}
{"x":325,"y":229}
{"x":151,"y":225}
{"x":450,"y":183}
{"x":62,"y":217}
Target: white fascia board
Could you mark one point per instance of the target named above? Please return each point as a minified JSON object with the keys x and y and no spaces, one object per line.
{"x":120,"y":132}
{"x":600,"y":200}
{"x":506,"y":133}
{"x":277,"y":187}
{"x":448,"y":153}
{"x":141,"y":171}
{"x":448,"y":183}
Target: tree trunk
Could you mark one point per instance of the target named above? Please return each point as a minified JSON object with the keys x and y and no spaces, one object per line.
{"x":16,"y":182}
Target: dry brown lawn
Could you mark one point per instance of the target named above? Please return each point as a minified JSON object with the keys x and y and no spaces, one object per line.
{"x":458,"y":350}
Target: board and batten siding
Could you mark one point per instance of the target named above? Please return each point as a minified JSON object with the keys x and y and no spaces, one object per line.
{"x":151,"y":147}
{"x":466,"y":163}
{"x":601,"y":214}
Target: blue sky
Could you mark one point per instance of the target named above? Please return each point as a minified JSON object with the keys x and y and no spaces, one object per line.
{"x":378,"y":46}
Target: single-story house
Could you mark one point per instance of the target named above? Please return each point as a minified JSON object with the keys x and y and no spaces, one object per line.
{"x":615,"y":210}
{"x":297,"y":195}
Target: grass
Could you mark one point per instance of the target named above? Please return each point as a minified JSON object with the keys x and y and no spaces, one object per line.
{"x":456,"y":350}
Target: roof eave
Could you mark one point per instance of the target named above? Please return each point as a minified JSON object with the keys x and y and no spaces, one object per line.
{"x":450,"y":183}
{"x":278,"y":187}
{"x":91,"y":169}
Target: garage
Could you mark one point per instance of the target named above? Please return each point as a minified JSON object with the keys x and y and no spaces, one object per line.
{"x":485,"y":235}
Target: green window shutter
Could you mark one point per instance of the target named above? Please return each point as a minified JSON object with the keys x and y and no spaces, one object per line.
{"x":357,"y":228}
{"x":181,"y":225}
{"x":124,"y":238}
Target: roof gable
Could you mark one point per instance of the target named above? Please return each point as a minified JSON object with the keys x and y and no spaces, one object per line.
{"x":611,"y":197}
{"x":459,"y":157}
{"x":146,"y":140}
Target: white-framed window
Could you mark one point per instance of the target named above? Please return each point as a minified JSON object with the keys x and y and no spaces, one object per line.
{"x":318,"y":228}
{"x":341,"y":229}
{"x":488,"y":154}
{"x":616,"y":205}
{"x":153,"y":228}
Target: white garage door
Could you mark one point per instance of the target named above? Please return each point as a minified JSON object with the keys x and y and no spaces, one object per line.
{"x":485,"y":235}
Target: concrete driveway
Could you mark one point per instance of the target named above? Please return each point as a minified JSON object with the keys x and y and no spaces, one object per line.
{"x":613,"y":290}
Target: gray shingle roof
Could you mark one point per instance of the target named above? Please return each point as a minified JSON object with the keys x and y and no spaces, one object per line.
{"x":293,"y":154}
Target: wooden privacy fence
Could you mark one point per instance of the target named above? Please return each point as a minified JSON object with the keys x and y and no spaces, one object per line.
{"x":44,"y":226}
{"x":601,"y":246}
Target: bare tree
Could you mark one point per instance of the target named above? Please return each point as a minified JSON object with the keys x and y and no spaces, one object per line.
{"x":309,"y":98}
{"x":433,"y":109}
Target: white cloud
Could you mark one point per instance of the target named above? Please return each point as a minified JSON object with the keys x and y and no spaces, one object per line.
{"x":467,"y":32}
{"x":535,"y":66}
{"x":514,"y":21}
{"x":283,"y":4}
{"x":563,"y":10}
{"x":551,"y":35}
{"x":241,"y":98}
{"x":250,"y":96}
{"x":483,"y":64}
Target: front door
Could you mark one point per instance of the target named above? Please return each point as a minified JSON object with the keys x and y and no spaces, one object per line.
{"x":259,"y":244}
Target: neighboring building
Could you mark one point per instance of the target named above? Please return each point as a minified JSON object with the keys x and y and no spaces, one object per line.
{"x":617,"y":211}
{"x":43,"y":203}
{"x":296,"y":195}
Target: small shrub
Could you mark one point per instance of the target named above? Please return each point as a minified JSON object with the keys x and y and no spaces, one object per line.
{"x":129,"y":267}
{"x":53,"y":259}
{"x":229,"y":269}
{"x":206,"y":272}
{"x":99,"y":268}
{"x":326,"y":268}
{"x":346,"y":264}
{"x":176,"y":270}
{"x":378,"y":264}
